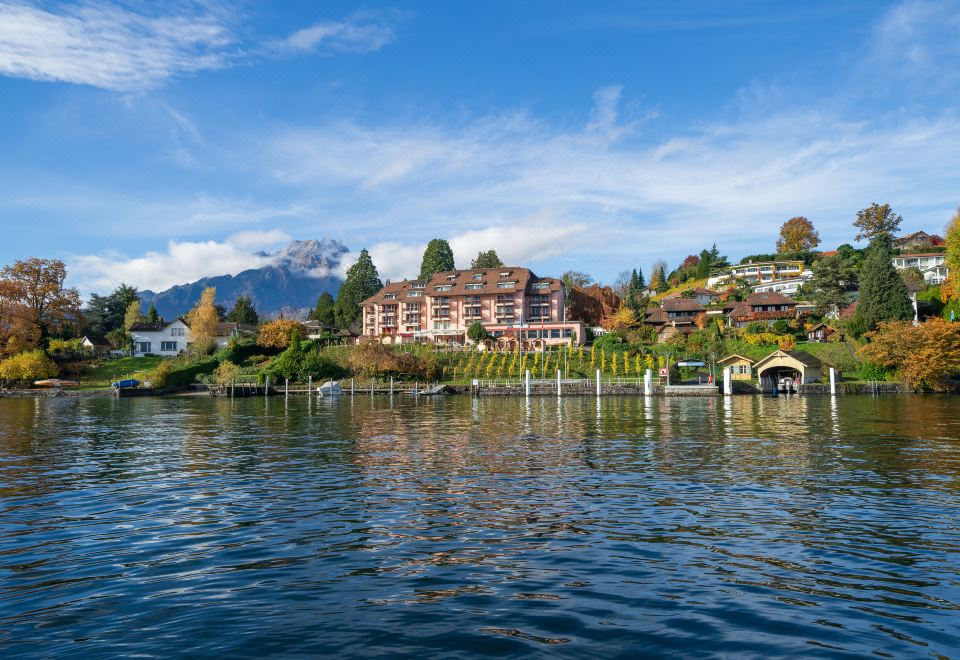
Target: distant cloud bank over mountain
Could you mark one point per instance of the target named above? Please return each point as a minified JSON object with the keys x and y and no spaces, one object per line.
{"x":291,"y":278}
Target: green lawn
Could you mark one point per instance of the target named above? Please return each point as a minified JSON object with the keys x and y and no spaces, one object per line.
{"x":110,"y":371}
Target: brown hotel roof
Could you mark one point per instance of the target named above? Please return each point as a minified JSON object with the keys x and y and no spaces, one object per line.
{"x":459,"y":279}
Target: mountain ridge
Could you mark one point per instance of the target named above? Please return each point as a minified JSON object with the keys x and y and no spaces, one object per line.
{"x":300,"y":272}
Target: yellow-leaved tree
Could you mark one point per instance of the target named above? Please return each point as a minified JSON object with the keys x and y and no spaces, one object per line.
{"x":203,"y":320}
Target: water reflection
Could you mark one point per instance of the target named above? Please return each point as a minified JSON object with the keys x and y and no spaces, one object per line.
{"x":546,"y":525}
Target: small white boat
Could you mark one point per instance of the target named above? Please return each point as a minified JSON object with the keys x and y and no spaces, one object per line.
{"x":330,"y":388}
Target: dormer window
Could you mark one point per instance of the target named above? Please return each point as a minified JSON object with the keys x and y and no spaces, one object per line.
{"x":418,"y":285}
{"x":541,"y":285}
{"x":506,"y":285}
{"x":478,"y":276}
{"x":390,"y":296}
{"x":473,"y":287}
{"x":443,"y":287}
{"x":506,"y":273}
{"x":451,"y":278}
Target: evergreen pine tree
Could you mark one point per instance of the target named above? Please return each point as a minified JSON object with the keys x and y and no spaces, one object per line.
{"x":324,"y":311}
{"x":883,"y":293}
{"x":437,"y":258}
{"x":362,"y":282}
{"x":244,"y":312}
{"x":152,"y":316}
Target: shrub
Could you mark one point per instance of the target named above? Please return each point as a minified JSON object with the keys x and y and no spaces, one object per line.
{"x":28,"y":366}
{"x":277,"y":334}
{"x":375,"y":360}
{"x":780,"y":327}
{"x":608,"y":342}
{"x":226,"y":373}
{"x":926,"y":356}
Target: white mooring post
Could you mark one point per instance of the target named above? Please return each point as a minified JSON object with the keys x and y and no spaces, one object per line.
{"x":371,"y":386}
{"x":266,"y":387}
{"x":352,"y":381}
{"x":391,"y":385}
{"x":233,"y":384}
{"x":309,"y":385}
{"x":833,"y":380}
{"x":286,"y":387}
{"x":598,"y":382}
{"x":728,"y":380}
{"x":558,"y":382}
{"x":648,"y":382}
{"x":526,"y":383}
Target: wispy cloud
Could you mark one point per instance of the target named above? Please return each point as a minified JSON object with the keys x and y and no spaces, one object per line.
{"x":363,"y":32}
{"x":182,"y":261}
{"x":114,"y":47}
{"x":108,"y":46}
{"x":730,"y":182}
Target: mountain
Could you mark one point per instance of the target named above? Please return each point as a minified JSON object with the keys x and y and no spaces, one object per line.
{"x":295,"y":277}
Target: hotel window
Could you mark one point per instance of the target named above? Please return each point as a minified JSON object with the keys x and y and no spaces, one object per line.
{"x":414,"y":294}
{"x":442,"y":287}
{"x":168,"y":346}
{"x":541,"y":285}
{"x":178,"y":332}
{"x":506,"y":285}
{"x":567,"y":333}
{"x":478,"y":276}
{"x":555,"y":334}
{"x":418,"y":285}
{"x":474,"y":287}
{"x":451,"y":278}
{"x":390,"y":296}
{"x":441,"y":325}
{"x":506,"y":273}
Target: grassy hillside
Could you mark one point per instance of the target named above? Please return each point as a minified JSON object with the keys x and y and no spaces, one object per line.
{"x":691,"y":284}
{"x":112,"y":370}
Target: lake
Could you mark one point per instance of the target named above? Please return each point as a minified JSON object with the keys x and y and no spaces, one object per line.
{"x":458,"y":527}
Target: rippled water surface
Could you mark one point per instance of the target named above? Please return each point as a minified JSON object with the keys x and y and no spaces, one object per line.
{"x":460,"y":527}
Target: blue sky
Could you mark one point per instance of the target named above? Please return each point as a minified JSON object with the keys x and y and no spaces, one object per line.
{"x":159,"y":142}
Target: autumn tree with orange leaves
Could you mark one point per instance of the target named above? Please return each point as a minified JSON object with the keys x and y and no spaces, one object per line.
{"x":926,"y":356}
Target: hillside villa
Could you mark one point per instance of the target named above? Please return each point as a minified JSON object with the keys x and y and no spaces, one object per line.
{"x":930,"y":264}
{"x":514,"y":306}
{"x":917,"y":241}
{"x":762,"y":272}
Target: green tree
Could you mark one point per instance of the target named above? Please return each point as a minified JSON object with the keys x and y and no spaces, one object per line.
{"x":635,"y":299}
{"x":833,"y":279}
{"x":105,"y":313}
{"x":324,"y":311}
{"x":477,"y":332}
{"x":437,"y":258}
{"x":362,"y":282}
{"x":883,"y":293}
{"x":152,"y":316}
{"x":488,"y":259}
{"x":875,"y":220}
{"x":244,"y":312}
{"x":797,"y":235}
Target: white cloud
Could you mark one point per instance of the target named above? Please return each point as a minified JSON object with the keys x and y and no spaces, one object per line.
{"x":732,"y":182}
{"x":525,"y":243}
{"x":113,"y":47}
{"x":183,"y":261}
{"x":360,"y":33}
{"x":107,"y":46}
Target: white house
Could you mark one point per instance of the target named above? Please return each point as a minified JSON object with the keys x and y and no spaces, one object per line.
{"x":166,"y":338}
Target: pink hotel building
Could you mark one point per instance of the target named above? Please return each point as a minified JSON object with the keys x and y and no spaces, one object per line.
{"x":513,"y":304}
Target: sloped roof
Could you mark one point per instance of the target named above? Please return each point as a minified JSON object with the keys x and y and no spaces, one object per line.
{"x":802,"y":357}
{"x":733,"y":358}
{"x":145,"y":326}
{"x":769,"y":298}
{"x":655,"y":315}
{"x":682,"y":305}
